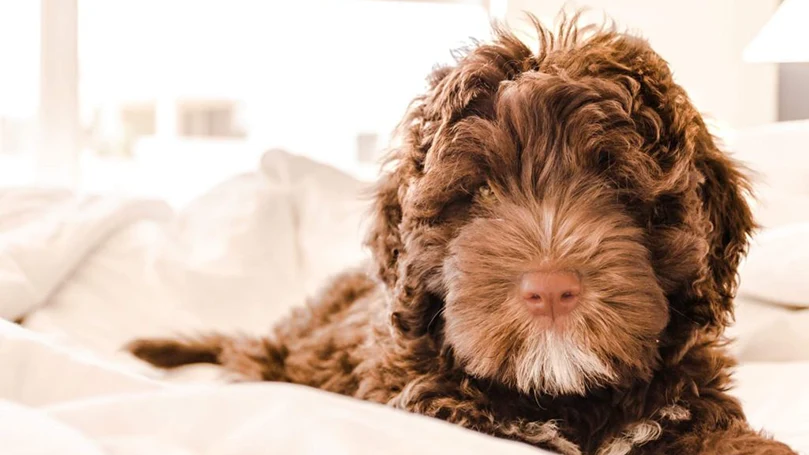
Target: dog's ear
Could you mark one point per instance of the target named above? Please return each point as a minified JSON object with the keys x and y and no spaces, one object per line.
{"x":406,"y":160}
{"x":677,"y":136}
{"x":710,"y":210}
{"x":723,"y":191}
{"x":406,"y":245}
{"x":384,"y":237}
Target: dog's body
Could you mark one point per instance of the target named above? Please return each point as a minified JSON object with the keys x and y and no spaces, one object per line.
{"x":555,"y":256}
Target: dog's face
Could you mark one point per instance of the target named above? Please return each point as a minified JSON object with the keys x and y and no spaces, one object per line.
{"x":558,"y":219}
{"x":549,"y":281}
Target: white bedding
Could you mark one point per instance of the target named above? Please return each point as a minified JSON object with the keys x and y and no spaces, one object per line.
{"x":99,"y":409}
{"x":91,"y":273}
{"x":87,"y":406}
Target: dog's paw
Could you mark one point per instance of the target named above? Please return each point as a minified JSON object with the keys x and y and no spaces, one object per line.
{"x":171,"y":353}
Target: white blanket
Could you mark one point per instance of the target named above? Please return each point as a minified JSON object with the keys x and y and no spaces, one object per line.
{"x":86,"y":406}
{"x":91,"y":273}
{"x":131,"y":415}
{"x":61,"y":401}
{"x":45,"y":234}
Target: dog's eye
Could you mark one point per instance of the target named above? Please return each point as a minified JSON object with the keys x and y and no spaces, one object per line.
{"x":485,"y":194}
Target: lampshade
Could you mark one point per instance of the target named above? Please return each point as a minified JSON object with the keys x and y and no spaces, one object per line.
{"x":784,"y":38}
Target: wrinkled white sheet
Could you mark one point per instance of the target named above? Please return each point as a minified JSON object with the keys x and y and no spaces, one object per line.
{"x":45,"y":234}
{"x":263,"y":418}
{"x":235,"y":259}
{"x":64,"y":401}
{"x":244,"y":419}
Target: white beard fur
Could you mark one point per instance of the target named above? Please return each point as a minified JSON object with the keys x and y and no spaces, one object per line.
{"x":555,"y":364}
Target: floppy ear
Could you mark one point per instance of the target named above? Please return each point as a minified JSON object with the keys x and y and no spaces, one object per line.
{"x":729,"y":223}
{"x":713,"y":222}
{"x":414,"y":133}
{"x":408,"y":248}
{"x":384,"y":237}
{"x":705,"y":188}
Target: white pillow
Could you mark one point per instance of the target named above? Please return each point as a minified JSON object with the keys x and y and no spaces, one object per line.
{"x":776,"y":155}
{"x":776,"y":269}
{"x":265,"y":418}
{"x":764,"y":332}
{"x":238,"y":260}
{"x":235,"y":259}
{"x":774,"y":207}
{"x":227,"y":262}
{"x":330,"y":210}
{"x":776,"y":152}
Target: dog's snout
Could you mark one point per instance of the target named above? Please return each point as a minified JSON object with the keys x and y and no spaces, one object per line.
{"x":550,"y":294}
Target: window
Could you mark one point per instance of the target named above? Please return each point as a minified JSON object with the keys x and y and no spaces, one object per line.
{"x":215,"y":76}
{"x":212,"y":119}
{"x":19,"y":88}
{"x":138,"y":121}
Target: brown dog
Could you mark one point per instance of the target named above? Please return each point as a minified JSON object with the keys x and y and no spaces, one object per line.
{"x":556,"y":251}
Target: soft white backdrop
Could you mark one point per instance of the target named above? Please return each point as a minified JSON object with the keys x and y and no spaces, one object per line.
{"x":311,"y":75}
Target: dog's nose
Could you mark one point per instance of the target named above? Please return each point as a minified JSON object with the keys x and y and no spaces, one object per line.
{"x":551,"y":294}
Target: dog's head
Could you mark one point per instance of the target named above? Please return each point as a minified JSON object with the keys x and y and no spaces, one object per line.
{"x":559,"y":218}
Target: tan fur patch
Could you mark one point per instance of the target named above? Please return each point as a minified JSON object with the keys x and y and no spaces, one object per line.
{"x":240,"y":355}
{"x":636,"y":434}
{"x":675,"y":413}
{"x":542,"y":433}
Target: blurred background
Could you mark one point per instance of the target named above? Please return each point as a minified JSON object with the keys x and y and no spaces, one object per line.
{"x":186,"y":166}
{"x":165,"y":98}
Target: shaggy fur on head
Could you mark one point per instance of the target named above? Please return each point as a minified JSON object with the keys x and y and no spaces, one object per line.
{"x":584,"y":158}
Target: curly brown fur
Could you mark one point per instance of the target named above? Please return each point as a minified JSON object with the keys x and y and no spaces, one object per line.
{"x":584,"y":156}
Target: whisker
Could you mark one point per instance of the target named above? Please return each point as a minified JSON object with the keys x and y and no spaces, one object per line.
{"x":683,"y":315}
{"x":437,"y":313}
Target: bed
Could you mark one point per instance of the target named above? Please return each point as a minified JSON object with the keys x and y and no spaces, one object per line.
{"x":88,"y":273}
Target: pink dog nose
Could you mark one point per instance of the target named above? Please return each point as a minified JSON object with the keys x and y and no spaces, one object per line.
{"x":551,"y":294}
